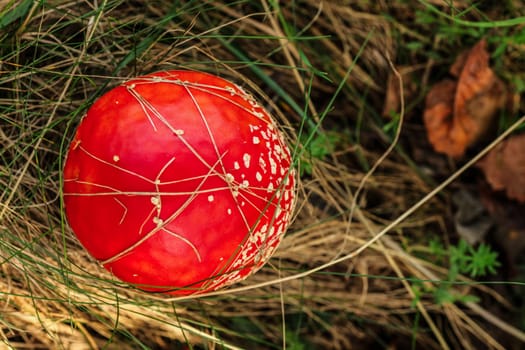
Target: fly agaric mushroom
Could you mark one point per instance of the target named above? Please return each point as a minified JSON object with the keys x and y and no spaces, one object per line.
{"x":179,"y":182}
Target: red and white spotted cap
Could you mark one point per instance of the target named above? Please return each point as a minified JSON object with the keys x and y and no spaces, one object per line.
{"x":179,"y":182}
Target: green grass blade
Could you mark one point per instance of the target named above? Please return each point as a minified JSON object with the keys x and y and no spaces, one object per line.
{"x":20,"y":11}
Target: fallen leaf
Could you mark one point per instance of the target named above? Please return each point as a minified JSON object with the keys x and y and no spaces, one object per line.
{"x":504,"y":167}
{"x":478,"y":96}
{"x":459,"y":63}
{"x":393,"y":96}
{"x":459,"y":114}
{"x":438,"y":114}
{"x":470,"y":219}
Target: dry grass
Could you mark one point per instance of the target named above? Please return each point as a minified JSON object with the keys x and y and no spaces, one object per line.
{"x":61,"y":55}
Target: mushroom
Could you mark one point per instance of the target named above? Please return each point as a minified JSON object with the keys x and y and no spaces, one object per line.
{"x":179,"y":182}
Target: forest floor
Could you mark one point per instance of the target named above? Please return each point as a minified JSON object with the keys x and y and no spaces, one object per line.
{"x":406,"y":123}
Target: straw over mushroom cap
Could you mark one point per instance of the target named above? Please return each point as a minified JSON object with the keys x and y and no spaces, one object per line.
{"x":179,"y":182}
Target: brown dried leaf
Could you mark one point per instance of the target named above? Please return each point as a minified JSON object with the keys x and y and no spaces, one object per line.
{"x":438,"y":115}
{"x":393,"y":96}
{"x":476,"y":98}
{"x":504,"y":167}
{"x":470,"y":219}
{"x":459,"y":63}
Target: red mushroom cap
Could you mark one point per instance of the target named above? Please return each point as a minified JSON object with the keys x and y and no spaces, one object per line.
{"x":179,"y":182}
